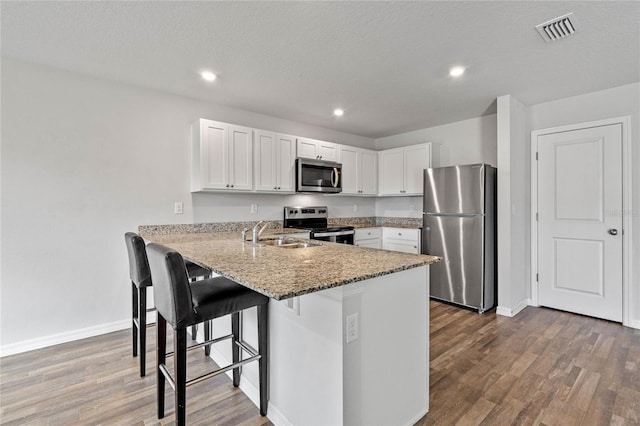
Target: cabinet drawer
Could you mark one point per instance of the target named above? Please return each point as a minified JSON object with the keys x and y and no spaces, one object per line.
{"x":407,"y":234}
{"x":366,"y":233}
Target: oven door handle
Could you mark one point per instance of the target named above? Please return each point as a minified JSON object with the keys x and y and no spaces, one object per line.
{"x":335,"y":177}
{"x":332,"y":234}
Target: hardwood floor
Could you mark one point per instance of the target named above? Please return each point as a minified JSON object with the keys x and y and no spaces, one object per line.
{"x":541,"y":367}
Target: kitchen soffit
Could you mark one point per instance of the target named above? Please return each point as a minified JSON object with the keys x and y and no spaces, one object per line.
{"x":386,"y":63}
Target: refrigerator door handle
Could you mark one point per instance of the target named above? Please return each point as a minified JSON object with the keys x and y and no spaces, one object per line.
{"x":455,"y":214}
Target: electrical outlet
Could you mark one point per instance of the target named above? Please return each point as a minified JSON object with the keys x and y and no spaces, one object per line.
{"x":177,"y":207}
{"x":254,"y":208}
{"x":352,"y":327}
{"x":293,"y":304}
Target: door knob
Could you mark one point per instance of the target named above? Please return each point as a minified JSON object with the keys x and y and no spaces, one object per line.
{"x":613,"y":231}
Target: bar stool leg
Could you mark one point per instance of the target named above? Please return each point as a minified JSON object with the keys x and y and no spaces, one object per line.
{"x":142,"y":320}
{"x":180,"y":371}
{"x":235,"y":349}
{"x":207,"y":335}
{"x":263,"y":362}
{"x":161,"y":358}
{"x":194,"y":332}
{"x":134,"y":317}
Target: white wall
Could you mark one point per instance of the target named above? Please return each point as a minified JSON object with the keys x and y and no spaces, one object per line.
{"x":465,"y":142}
{"x":469,"y":141}
{"x":85,"y":160}
{"x":615,"y":102}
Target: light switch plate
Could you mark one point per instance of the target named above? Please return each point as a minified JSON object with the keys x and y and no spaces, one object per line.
{"x":178,"y":207}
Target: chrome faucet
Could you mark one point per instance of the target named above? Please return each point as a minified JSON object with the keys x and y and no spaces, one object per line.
{"x":244,"y":234}
{"x":256,"y":233}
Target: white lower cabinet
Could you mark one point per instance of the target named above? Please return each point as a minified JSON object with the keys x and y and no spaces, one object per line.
{"x":401,"y":239}
{"x":368,"y":237}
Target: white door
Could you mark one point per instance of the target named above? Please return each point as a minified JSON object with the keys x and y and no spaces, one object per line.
{"x":391,"y":172}
{"x":349,"y":170}
{"x":240,"y":158}
{"x":265,"y":161}
{"x":368,"y":172}
{"x":215,"y":167}
{"x":416,"y":159}
{"x":580,"y":221}
{"x":286,"y":161}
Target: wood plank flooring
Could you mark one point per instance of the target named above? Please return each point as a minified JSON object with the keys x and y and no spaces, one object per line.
{"x":542,"y":367}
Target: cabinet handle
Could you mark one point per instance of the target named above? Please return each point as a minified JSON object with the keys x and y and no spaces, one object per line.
{"x":232,"y":185}
{"x":400,"y":233}
{"x":227,"y":185}
{"x":415,"y":247}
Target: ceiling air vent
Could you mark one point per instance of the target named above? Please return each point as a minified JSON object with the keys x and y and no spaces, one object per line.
{"x":557,"y":28}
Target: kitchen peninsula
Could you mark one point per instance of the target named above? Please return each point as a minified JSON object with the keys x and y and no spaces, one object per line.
{"x":348,"y":326}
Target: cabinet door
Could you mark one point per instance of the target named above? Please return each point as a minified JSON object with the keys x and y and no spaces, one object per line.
{"x":240,"y":158}
{"x":328,"y":151}
{"x":368,"y":172}
{"x":372,"y":243}
{"x":416,"y":159}
{"x":350,"y":170}
{"x":266,"y":161}
{"x":399,"y":245}
{"x":213,"y":154}
{"x":391,"y":172}
{"x":307,"y":148}
{"x":285,"y":163}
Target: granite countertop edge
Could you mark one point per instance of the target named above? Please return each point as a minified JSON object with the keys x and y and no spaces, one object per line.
{"x":275,"y":272}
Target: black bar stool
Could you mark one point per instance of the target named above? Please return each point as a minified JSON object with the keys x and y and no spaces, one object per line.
{"x":183,"y":304}
{"x":141,"y":279}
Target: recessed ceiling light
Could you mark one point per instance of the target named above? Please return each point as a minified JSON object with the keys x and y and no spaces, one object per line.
{"x":208,"y":75}
{"x":456,"y":71}
{"x":338,"y":112}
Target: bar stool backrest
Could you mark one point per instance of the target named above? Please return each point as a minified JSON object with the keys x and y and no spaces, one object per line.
{"x":138,"y":264}
{"x":171,"y":289}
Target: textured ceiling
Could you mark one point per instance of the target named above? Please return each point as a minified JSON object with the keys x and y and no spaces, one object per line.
{"x":385,"y":63}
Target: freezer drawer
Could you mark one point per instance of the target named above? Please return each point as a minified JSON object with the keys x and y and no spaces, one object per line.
{"x":460,"y":277}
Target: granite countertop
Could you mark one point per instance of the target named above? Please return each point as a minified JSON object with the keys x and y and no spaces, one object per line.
{"x":283,"y":273}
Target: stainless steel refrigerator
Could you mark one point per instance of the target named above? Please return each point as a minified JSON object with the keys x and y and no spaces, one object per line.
{"x":459,"y":224}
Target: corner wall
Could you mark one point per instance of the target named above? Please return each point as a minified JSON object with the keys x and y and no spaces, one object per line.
{"x":513,"y":207}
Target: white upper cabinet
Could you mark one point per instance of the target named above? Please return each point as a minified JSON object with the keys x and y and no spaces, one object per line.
{"x":222,"y":157}
{"x":275,"y":156}
{"x":359,"y":171}
{"x":318,"y":150}
{"x":401,"y":170}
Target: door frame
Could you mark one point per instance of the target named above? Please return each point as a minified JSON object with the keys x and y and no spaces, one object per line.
{"x":627,"y":291}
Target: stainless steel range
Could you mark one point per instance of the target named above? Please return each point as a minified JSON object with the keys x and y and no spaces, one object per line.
{"x":315,"y":220}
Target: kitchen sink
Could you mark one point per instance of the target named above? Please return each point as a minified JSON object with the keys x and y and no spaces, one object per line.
{"x":288,"y":243}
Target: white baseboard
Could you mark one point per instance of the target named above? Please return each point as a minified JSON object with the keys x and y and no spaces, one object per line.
{"x":67,"y":336}
{"x":511,"y":312}
{"x":634,"y":324}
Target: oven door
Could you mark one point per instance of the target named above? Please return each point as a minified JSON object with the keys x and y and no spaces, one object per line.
{"x":342,"y":237}
{"x":318,"y":176}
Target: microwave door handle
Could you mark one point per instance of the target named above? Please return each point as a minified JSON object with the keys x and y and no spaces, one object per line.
{"x":334,"y":177}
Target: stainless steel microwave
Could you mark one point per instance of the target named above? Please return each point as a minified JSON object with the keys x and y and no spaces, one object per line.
{"x":318,"y":176}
